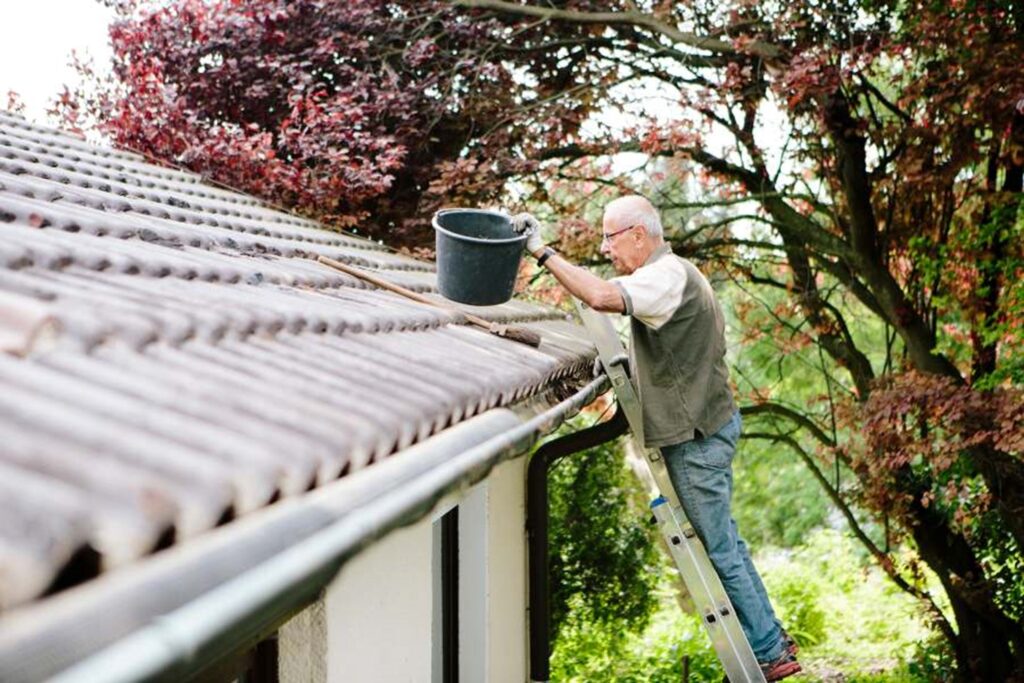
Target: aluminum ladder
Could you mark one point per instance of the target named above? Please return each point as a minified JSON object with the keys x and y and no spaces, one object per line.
{"x":695,"y":568}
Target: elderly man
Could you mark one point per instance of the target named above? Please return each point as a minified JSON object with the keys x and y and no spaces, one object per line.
{"x":678,"y":353}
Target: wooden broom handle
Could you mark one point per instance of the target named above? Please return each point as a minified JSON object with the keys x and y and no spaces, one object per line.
{"x":398,"y":289}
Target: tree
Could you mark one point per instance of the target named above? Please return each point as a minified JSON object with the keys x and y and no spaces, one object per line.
{"x":866,"y":160}
{"x":365,"y":114}
{"x":896,"y":199}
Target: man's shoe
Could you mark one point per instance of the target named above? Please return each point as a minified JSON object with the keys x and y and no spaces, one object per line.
{"x":789,"y":645}
{"x":783,"y":667}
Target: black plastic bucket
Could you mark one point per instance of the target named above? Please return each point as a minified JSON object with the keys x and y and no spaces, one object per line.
{"x":478,"y":256}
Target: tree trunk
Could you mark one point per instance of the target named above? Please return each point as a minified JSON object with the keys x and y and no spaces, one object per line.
{"x":986,"y":639}
{"x":982,"y":652}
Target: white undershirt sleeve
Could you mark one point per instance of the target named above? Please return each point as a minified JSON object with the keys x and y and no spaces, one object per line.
{"x":653,"y":292}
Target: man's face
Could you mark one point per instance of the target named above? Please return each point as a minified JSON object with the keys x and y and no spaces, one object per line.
{"x":623,"y":244}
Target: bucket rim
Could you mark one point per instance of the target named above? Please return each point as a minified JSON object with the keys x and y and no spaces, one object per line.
{"x":475,"y":240}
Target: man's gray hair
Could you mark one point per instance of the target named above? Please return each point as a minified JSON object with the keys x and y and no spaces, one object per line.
{"x":651,"y":222}
{"x":637,"y":210}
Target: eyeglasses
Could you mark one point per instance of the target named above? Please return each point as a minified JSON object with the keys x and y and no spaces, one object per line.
{"x":606,"y":237}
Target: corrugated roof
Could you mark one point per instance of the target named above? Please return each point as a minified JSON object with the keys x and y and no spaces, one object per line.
{"x":176,"y":358}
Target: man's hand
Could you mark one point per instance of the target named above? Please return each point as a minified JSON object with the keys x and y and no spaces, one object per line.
{"x":622,"y":359}
{"x":526,"y":224}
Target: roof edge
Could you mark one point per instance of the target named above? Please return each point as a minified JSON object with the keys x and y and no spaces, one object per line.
{"x":182,"y":611}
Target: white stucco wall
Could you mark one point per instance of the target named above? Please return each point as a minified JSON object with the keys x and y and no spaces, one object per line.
{"x":379,"y":612}
{"x":302,"y":646}
{"x":474,"y":585}
{"x":506,"y":593}
{"x":375,"y":622}
{"x":492,"y":579}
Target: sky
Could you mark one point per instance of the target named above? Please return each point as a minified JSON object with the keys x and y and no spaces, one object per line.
{"x":36,"y":40}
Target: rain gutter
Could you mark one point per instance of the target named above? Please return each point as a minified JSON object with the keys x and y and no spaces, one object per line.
{"x":186,"y":609}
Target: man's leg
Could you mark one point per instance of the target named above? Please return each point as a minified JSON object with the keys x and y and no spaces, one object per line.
{"x":755,"y":577}
{"x":701,"y":472}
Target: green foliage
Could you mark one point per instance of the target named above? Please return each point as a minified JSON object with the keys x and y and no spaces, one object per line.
{"x":980,"y":259}
{"x":601,"y":548}
{"x":849,"y":619}
{"x":609,"y":653}
{"x":799,"y":596}
{"x":843,"y":611}
{"x":776,"y":501}
{"x":1003,"y":561}
{"x":932,"y":661}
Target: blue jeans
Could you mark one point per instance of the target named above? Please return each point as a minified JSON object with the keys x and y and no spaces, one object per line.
{"x":701,"y":472}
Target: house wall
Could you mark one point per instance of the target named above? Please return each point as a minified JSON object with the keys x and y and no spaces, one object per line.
{"x":376,"y":621}
{"x":302,"y":646}
{"x":506,"y":588}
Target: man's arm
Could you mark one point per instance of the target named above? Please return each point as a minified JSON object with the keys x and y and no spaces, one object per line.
{"x":599,"y":294}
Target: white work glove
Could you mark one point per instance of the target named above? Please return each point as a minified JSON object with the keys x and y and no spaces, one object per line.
{"x":526,"y":224}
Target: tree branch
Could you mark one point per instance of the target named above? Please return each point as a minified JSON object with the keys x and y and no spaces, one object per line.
{"x":631,"y":18}
{"x":866,"y":259}
{"x":794,"y":416}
